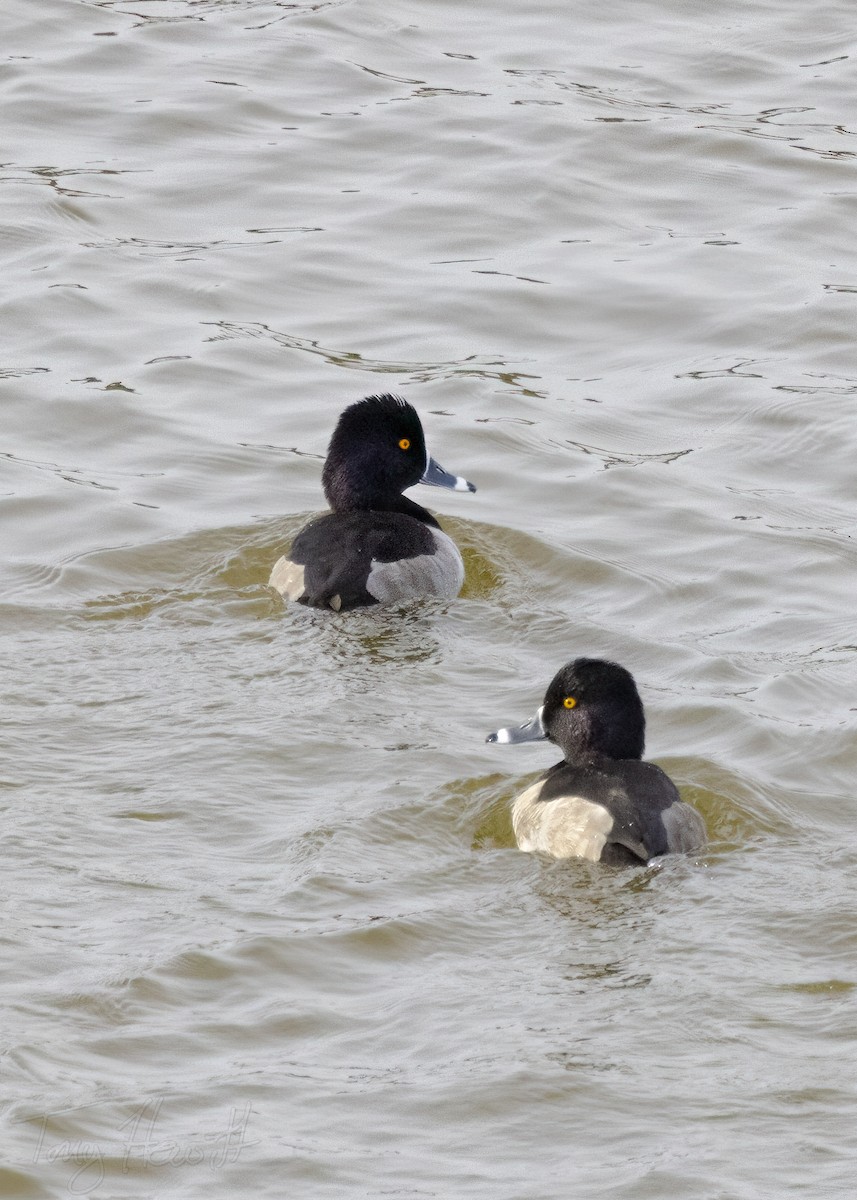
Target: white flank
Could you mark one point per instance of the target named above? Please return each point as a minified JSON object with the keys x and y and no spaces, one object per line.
{"x":568,"y":827}
{"x":287,"y":578}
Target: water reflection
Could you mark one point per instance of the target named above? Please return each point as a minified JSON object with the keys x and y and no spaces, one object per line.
{"x":476,"y":366}
{"x":363,"y":640}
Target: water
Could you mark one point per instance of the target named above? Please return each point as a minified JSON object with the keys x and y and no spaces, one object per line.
{"x":264,"y":928}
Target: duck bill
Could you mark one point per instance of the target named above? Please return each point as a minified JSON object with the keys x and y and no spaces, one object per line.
{"x":531,"y":731}
{"x":435,"y":475}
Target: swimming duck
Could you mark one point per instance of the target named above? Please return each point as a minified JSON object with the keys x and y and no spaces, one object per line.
{"x":601,"y":802}
{"x":376,"y":546}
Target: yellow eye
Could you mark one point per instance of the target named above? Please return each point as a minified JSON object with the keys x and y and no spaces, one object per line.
{"x":404,"y":444}
{"x":569,"y":702}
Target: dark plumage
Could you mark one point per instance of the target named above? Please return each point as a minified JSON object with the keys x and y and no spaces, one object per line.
{"x":601,"y":802}
{"x":376,"y":546}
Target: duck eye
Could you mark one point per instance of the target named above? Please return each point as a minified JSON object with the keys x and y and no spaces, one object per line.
{"x":404,"y":444}
{"x":569,"y":702}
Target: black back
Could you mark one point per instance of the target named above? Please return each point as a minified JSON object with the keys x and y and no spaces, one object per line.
{"x":635,"y":793}
{"x":337,"y":550}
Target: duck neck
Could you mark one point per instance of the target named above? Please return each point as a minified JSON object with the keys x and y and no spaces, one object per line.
{"x":581,"y":758}
{"x":352,"y":500}
{"x":405,"y":505}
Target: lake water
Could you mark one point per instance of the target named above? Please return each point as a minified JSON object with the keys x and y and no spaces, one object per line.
{"x":265,"y":931}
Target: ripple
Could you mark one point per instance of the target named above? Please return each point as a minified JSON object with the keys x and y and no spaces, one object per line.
{"x":412,"y":372}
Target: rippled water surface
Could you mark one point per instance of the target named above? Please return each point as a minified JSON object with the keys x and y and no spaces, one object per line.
{"x":265,"y":930}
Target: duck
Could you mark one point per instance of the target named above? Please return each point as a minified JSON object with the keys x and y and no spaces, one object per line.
{"x":375,"y":546}
{"x":602,"y":802}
